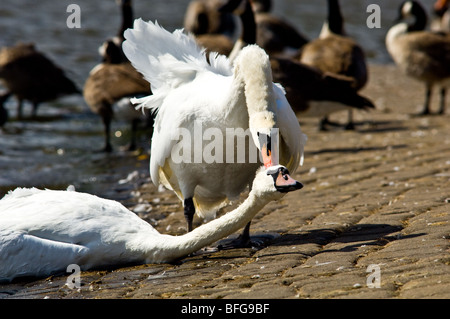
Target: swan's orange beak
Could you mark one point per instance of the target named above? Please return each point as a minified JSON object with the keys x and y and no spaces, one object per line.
{"x":282,"y":181}
{"x":269,"y":149}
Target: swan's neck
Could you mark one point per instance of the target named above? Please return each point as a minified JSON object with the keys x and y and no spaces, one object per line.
{"x":179,"y":246}
{"x":253,"y":69}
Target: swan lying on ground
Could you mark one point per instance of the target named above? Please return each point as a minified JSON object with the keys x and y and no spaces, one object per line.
{"x":44,"y":231}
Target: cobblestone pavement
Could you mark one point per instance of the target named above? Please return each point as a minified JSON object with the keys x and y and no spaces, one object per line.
{"x":371,"y":222}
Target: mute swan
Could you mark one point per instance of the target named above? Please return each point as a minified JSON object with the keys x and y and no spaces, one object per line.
{"x":44,"y":231}
{"x":187,"y":90}
{"x":334,"y":52}
{"x":30,"y":75}
{"x":111,"y":83}
{"x":423,"y":55}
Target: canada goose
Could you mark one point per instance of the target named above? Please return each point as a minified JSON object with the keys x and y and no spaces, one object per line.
{"x":205,"y":17}
{"x":189,"y":92}
{"x":275,"y":35}
{"x":423,"y":55}
{"x":44,"y":231}
{"x":30,"y":75}
{"x":305,"y":86}
{"x":214,"y":30}
{"x":113,"y":82}
{"x":313,"y":93}
{"x":336,"y":53}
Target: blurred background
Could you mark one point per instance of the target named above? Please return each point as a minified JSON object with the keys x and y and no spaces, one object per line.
{"x":58,"y":148}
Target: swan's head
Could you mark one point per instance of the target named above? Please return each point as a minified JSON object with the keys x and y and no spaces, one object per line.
{"x":274,"y":182}
{"x":253,"y":65}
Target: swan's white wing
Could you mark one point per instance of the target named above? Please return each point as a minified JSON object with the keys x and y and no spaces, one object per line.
{"x":167,"y":60}
{"x":206,"y":99}
{"x":289,"y":128}
{"x":22,"y":254}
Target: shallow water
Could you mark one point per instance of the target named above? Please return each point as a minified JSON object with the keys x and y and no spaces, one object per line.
{"x":58,"y":148}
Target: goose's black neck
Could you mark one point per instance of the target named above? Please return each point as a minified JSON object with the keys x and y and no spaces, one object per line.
{"x":335,"y":19}
{"x":420,"y":17}
{"x":247,"y":18}
{"x":248,"y":24}
{"x":127,"y":17}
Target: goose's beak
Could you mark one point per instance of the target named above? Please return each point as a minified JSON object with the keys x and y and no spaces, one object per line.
{"x":440,"y":7}
{"x":282,"y":181}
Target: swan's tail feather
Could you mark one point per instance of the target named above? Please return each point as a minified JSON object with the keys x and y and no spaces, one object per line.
{"x":167,"y":60}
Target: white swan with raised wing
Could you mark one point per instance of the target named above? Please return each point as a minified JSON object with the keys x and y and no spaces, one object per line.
{"x":189,"y":88}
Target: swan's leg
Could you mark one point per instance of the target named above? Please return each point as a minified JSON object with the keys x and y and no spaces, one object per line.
{"x":245,"y":236}
{"x":244,"y":240}
{"x":189,"y":211}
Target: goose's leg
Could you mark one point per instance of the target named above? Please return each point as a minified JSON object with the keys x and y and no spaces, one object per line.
{"x":19,"y":109}
{"x":189,"y":211}
{"x":107,"y":123}
{"x":350,"y":125}
{"x":323,"y":122}
{"x":35,"y":107}
{"x":106,"y":118}
{"x":443,"y":93}
{"x":426,"y":107}
{"x":134,"y":125}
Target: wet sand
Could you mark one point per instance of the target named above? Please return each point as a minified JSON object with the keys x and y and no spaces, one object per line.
{"x":375,"y":205}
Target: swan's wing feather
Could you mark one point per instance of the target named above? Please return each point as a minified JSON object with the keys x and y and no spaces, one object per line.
{"x":167,"y":60}
{"x":69,"y":217}
{"x":17,"y":249}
